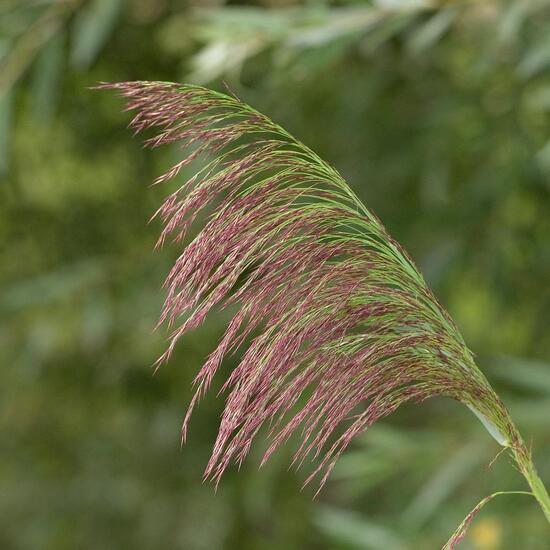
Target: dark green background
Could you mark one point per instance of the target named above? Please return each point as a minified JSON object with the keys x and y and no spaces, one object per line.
{"x":438,"y":117}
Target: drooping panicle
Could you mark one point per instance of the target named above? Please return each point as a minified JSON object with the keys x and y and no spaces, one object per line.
{"x":336,"y":325}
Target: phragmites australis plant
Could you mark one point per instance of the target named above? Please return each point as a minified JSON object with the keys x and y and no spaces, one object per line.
{"x":336,"y":324}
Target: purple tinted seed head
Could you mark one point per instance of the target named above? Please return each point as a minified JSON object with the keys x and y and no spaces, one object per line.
{"x":335,"y":324}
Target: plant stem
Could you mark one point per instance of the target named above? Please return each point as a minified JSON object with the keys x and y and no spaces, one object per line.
{"x":539,"y":490}
{"x":525,"y":463}
{"x":520,"y":452}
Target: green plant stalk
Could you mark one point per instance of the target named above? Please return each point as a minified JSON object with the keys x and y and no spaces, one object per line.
{"x":523,"y":459}
{"x":500,"y":425}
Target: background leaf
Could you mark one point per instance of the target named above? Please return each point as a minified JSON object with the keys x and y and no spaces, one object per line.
{"x":91,"y":30}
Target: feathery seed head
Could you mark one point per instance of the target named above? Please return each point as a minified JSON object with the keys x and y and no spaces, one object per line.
{"x":329,"y":305}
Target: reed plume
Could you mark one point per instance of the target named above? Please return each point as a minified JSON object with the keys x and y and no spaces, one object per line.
{"x":336,"y":325}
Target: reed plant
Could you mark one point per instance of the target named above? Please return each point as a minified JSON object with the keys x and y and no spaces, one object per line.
{"x":333,"y":322}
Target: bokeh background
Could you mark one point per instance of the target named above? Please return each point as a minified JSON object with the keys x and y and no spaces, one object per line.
{"x":437,"y":113}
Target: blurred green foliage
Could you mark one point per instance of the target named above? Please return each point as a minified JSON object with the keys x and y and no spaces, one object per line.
{"x":437,"y":113}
